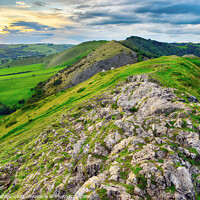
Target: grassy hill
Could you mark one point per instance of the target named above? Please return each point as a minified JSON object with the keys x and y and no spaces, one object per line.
{"x":72,"y":55}
{"x":152,"y":48}
{"x":17,"y":79}
{"x":111,"y":54}
{"x":13,"y":52}
{"x":35,"y":139}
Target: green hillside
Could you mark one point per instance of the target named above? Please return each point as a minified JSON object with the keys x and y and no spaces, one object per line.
{"x":52,"y":140}
{"x":111,"y":54}
{"x":16,"y":82}
{"x":32,"y":139}
{"x":152,"y":48}
{"x":72,"y":55}
{"x":176,"y":72}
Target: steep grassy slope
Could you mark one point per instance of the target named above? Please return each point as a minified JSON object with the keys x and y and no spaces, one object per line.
{"x":170,"y":71}
{"x":35,"y":139}
{"x":109,"y":55}
{"x":151,"y":48}
{"x":71,"y":56}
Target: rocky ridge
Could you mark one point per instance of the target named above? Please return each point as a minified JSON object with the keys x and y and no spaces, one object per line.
{"x":136,"y":141}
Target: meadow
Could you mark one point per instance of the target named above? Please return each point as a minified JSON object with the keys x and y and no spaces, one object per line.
{"x":16,"y":82}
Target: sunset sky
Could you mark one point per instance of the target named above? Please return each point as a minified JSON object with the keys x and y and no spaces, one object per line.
{"x":75,"y":21}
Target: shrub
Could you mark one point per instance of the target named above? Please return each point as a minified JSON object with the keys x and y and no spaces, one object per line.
{"x":21,"y":101}
{"x":6,"y":110}
{"x":134,"y":109}
{"x":80,"y":90}
{"x":57,"y":82}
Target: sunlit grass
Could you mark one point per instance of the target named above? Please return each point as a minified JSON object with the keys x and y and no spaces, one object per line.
{"x":32,"y":120}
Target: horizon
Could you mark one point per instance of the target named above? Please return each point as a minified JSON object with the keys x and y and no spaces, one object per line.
{"x":77,"y":21}
{"x":37,"y":43}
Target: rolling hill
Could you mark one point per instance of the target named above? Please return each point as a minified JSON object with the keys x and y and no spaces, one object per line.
{"x":126,"y":133}
{"x":151,"y":48}
{"x":72,"y":55}
{"x":40,"y":76}
{"x":17,"y":83}
{"x":13,"y":52}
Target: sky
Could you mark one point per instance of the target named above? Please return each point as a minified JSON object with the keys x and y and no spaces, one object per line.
{"x":75,"y":21}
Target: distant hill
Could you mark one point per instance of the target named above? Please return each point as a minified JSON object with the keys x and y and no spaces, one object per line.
{"x":152,"y":49}
{"x":10,"y":53}
{"x":65,"y":58}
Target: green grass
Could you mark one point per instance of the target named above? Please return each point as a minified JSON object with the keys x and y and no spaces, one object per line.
{"x":16,"y":82}
{"x":183,"y":75}
{"x":21,"y":129}
{"x":47,"y":49}
{"x":72,"y":55}
{"x":31,"y":121}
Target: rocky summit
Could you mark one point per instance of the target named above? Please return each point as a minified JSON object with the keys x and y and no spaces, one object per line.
{"x":139,"y":140}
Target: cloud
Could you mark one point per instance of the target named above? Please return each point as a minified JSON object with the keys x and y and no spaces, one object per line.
{"x":57,"y":9}
{"x":80,"y":20}
{"x":170,"y":9}
{"x":39,"y":3}
{"x":47,"y":18}
{"x":21,"y":4}
{"x":25,"y":27}
{"x":31,"y":25}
